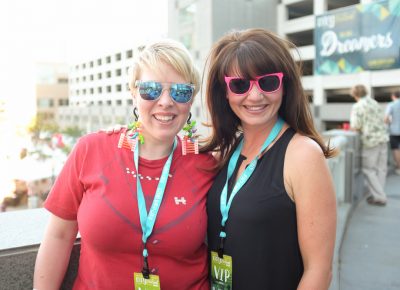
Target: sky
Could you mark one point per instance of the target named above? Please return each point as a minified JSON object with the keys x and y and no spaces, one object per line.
{"x":64,"y":31}
{"x":69,"y":29}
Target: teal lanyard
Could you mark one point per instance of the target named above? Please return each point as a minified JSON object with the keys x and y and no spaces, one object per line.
{"x":147,"y":221}
{"x":224,"y":205}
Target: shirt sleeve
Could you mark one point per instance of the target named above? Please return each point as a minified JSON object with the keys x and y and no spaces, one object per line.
{"x":388,"y":111}
{"x":355,"y":118}
{"x":67,"y":192}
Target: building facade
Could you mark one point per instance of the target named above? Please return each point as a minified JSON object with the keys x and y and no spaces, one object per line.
{"x":51,"y":90}
{"x":199,"y":23}
{"x":329,"y":94}
{"x":99,"y":95}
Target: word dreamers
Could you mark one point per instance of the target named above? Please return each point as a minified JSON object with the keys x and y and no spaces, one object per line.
{"x":331,"y":44}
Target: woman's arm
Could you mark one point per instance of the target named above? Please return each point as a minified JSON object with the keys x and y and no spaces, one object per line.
{"x":309,"y":182}
{"x":388,"y":114}
{"x":54,"y":253}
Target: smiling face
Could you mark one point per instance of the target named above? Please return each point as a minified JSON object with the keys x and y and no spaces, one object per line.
{"x":255,"y":109}
{"x":163,"y":118}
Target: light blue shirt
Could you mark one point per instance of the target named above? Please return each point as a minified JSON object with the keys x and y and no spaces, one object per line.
{"x":393,"y":110}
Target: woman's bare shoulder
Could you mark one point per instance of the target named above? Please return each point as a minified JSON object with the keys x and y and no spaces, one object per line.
{"x":302,"y":148}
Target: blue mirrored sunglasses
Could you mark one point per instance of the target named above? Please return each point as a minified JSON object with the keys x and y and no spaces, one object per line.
{"x":151,"y":91}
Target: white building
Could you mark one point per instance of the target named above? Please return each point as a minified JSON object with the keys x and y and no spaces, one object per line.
{"x":98,"y":93}
{"x":51,"y":90}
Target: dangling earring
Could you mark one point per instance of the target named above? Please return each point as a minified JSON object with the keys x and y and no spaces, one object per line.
{"x":190,"y":143}
{"x":135,"y":113}
{"x":129,"y":138}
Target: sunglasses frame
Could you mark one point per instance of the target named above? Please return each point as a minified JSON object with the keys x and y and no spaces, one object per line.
{"x":255,"y":81}
{"x":163,"y":84}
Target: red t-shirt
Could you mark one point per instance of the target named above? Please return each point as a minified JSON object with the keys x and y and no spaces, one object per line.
{"x":97,"y":187}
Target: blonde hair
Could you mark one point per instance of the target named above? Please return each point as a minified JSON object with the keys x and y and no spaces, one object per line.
{"x":167,"y":51}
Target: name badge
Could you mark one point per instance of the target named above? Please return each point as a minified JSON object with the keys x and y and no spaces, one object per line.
{"x":146,"y":284}
{"x":221,"y":272}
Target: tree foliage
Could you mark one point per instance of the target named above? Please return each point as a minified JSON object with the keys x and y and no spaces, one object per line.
{"x":39,"y":124}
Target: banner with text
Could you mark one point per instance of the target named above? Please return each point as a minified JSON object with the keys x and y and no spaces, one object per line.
{"x":358,"y":38}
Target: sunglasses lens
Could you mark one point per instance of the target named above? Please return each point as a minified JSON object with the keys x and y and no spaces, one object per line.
{"x":269,"y":83}
{"x":239,"y":86}
{"x":181,"y":93}
{"x":150,"y":91}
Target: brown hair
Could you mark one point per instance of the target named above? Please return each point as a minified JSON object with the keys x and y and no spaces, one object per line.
{"x":254,"y":52}
{"x":358,"y":91}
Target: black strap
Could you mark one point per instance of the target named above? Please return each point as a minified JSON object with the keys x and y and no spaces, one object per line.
{"x":221,"y":245}
{"x":146,"y":270}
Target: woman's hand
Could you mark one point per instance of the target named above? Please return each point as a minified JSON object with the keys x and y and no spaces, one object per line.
{"x":115,"y":129}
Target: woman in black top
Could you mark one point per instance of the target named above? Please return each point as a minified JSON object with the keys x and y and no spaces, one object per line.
{"x":272,"y":208}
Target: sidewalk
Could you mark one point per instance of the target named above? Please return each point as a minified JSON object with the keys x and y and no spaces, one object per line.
{"x":370,"y":252}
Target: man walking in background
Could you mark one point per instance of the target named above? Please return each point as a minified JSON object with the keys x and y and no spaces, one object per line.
{"x":392,"y":118}
{"x":367,"y":117}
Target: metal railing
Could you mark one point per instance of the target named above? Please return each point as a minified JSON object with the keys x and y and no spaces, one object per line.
{"x":345,"y":167}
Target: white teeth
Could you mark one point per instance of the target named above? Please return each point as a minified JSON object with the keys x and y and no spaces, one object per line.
{"x":164,"y":118}
{"x":255,"y":108}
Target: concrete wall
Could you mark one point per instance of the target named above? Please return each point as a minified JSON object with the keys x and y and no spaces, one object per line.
{"x":20,"y":235}
{"x":239,"y":14}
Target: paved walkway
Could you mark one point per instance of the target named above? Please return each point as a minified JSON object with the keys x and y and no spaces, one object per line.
{"x":370,"y":253}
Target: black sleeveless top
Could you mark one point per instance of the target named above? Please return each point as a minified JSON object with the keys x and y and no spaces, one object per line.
{"x":261,"y":228}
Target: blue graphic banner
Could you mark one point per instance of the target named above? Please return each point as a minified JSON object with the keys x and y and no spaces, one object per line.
{"x":358,"y":38}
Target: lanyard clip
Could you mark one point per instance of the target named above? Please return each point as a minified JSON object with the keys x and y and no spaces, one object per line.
{"x":222,"y":235}
{"x":145,"y":270}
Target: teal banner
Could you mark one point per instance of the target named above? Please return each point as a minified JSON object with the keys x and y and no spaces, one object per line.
{"x":358,"y":38}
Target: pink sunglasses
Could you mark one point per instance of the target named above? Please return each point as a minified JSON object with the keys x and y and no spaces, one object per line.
{"x":268,"y":83}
